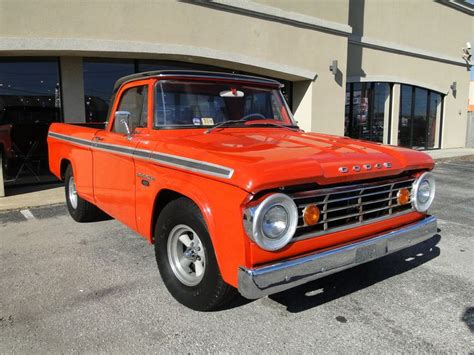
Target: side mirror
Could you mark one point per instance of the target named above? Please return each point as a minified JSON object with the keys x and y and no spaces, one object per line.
{"x":123,"y":120}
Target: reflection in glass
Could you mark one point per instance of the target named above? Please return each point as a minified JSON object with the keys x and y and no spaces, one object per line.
{"x":100,"y":76}
{"x":365,"y":110}
{"x":404,"y":123}
{"x":419,"y":111}
{"x":29,"y":103}
{"x":420,"y":118}
{"x":381,"y":95}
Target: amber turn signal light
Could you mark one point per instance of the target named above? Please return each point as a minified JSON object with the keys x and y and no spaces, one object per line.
{"x":403,"y":196}
{"x":311,"y":215}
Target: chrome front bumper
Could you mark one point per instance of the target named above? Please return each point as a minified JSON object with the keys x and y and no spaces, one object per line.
{"x":259,"y":282}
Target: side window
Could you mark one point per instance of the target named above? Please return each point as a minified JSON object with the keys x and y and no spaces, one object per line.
{"x":134,"y":100}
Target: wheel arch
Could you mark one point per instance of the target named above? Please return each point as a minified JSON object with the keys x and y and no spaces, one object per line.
{"x":165,"y":196}
{"x":65,"y":163}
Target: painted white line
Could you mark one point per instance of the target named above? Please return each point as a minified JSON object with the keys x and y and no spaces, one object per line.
{"x":27,"y":214}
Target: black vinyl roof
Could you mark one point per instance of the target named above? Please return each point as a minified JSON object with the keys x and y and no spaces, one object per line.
{"x":195,"y":74}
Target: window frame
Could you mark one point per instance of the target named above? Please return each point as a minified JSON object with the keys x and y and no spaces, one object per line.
{"x":158,"y":81}
{"x":412,"y":114}
{"x":148,"y":83}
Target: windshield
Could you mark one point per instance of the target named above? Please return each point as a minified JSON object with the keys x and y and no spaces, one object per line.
{"x":206,"y":104}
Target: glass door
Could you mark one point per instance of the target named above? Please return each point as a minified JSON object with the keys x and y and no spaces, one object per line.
{"x":420,"y":113}
{"x":367,"y":110}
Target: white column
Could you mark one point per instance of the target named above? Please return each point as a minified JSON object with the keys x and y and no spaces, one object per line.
{"x":72,"y":89}
{"x":386,"y":116}
{"x":395,"y":114}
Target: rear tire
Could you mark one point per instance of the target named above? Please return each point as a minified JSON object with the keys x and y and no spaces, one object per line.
{"x":79,"y":209}
{"x":186,"y":258}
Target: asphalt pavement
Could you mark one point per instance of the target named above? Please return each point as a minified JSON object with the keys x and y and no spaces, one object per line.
{"x":69,"y":287}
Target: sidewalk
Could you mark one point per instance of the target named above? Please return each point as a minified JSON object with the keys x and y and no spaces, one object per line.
{"x":453,"y":153}
{"x":24,"y":197}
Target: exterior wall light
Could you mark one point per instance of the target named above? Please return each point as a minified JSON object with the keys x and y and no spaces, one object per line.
{"x":333,"y":67}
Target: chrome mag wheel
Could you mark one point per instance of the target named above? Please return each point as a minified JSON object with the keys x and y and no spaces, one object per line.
{"x":72,"y":193}
{"x":186,"y":255}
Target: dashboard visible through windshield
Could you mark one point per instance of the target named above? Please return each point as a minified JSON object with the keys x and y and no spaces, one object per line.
{"x":183,"y":104}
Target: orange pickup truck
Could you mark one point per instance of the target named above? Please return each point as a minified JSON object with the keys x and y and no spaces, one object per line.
{"x":213,"y":170}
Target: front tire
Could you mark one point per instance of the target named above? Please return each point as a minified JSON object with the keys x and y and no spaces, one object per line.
{"x":79,"y":209}
{"x":186,"y":258}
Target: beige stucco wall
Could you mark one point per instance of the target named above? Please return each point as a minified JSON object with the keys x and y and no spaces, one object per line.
{"x":127,"y":29}
{"x":331,"y":10}
{"x":423,"y":24}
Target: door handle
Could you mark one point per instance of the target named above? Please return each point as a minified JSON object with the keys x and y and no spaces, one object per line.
{"x":97,"y":139}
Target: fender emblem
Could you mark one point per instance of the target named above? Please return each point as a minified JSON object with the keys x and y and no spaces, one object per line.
{"x":343,"y":169}
{"x":378,"y":166}
{"x":145,"y":176}
{"x":367,"y":166}
{"x":387,"y":165}
{"x":356,"y":168}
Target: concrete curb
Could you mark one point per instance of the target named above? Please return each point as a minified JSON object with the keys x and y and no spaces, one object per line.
{"x":460,"y":158}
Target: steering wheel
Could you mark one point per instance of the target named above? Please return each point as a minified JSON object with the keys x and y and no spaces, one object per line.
{"x":256,"y":114}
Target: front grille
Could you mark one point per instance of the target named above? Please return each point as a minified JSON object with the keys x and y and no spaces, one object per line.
{"x":350,"y":205}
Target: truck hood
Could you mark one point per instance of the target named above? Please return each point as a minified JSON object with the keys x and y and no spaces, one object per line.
{"x":267,"y":158}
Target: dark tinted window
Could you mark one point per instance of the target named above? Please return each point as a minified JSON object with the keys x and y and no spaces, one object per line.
{"x":366,"y":105}
{"x":404,"y":123}
{"x":134,"y":101}
{"x":419,"y":111}
{"x":179,"y":103}
{"x":29,"y":102}
{"x":100,"y":76}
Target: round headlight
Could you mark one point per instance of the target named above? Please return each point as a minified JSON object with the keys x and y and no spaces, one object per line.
{"x":423,"y":192}
{"x":275,"y":222}
{"x":272,"y":223}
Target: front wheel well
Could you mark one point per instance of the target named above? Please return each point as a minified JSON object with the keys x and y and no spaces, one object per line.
{"x":164,"y":197}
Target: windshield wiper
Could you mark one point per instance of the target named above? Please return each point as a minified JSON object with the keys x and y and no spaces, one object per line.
{"x":224,"y":124}
{"x":234,"y":122}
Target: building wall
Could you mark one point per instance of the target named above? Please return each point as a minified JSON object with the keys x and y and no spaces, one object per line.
{"x":421,"y":24}
{"x":331,"y":10}
{"x":185,"y":31}
{"x":400,"y":41}
{"x":417,"y":43}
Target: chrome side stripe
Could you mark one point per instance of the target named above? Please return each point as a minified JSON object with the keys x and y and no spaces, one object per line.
{"x":154,"y":157}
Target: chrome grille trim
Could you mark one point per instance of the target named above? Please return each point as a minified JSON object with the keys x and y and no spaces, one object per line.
{"x":361,"y":204}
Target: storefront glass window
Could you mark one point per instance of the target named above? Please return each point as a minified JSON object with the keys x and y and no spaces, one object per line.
{"x":29,"y":102}
{"x":366,"y":110}
{"x":419,"y":112}
{"x":100,"y":76}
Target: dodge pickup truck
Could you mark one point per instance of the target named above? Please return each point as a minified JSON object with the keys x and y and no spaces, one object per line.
{"x":213,"y":170}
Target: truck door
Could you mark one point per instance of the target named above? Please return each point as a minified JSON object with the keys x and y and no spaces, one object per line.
{"x":113,"y":162}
